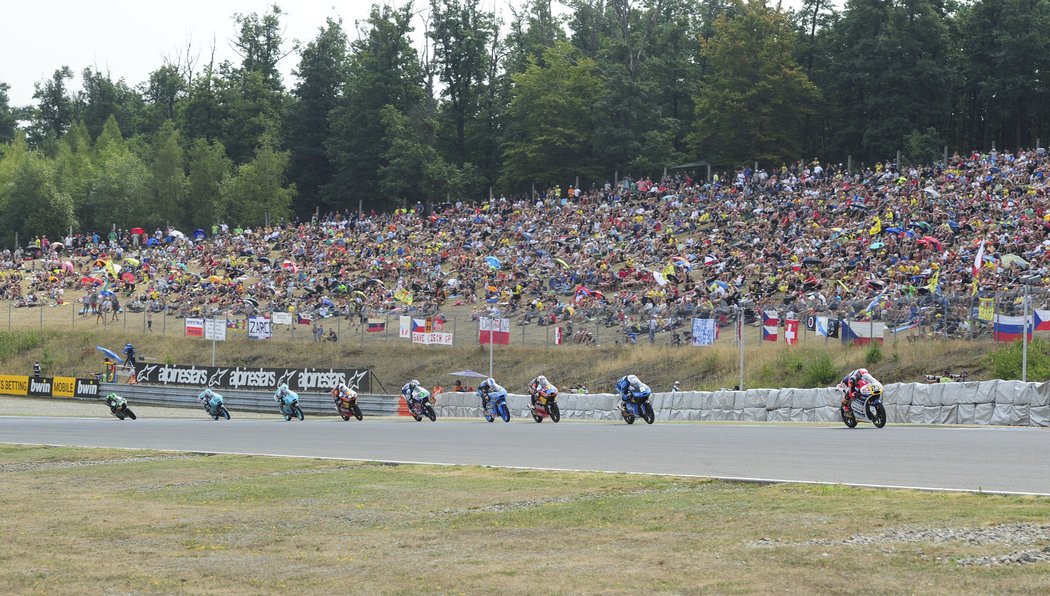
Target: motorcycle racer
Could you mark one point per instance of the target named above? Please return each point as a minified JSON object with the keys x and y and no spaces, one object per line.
{"x":490,"y":389}
{"x":632,"y":389}
{"x":540,"y":386}
{"x":343,"y":393}
{"x":208,"y":398}
{"x":413,"y":393}
{"x":856,"y":383}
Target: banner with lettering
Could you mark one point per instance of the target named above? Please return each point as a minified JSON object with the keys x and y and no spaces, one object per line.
{"x":255,"y":378}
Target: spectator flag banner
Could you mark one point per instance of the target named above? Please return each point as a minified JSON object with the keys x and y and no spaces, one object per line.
{"x":215,"y":329}
{"x":405,"y":327}
{"x":811,"y":323}
{"x":376,"y":325}
{"x":791,"y":331}
{"x":282,"y":318}
{"x":496,"y":331}
{"x":195,"y":327}
{"x":705,"y":332}
{"x":419,"y":325}
{"x":259,"y":328}
{"x":304,"y":319}
{"x":240,"y":324}
{"x":1042,"y":320}
{"x":403,"y":295}
{"x":1006,"y":328}
{"x":827,"y":327}
{"x":986,"y":309}
{"x":770,"y":322}
{"x":559,"y":338}
{"x":861,"y":332}
{"x":432,"y":339}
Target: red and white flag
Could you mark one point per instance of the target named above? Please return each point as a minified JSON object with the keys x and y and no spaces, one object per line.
{"x":791,"y":331}
{"x":496,"y":331}
{"x":558,"y":336}
{"x":770,"y":322}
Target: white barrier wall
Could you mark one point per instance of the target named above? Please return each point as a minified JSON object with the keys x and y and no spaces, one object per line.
{"x":978,"y":402}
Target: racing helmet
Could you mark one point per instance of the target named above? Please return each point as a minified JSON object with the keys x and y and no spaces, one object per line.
{"x":634,"y":381}
{"x":283,"y":388}
{"x":208,"y":392}
{"x":489,"y":382}
{"x":542,"y":381}
{"x":862,"y":371}
{"x":413,"y":384}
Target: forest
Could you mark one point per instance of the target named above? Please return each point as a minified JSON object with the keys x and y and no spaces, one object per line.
{"x":448,"y":100}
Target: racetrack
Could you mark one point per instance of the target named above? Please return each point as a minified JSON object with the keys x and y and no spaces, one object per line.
{"x":1011,"y":460}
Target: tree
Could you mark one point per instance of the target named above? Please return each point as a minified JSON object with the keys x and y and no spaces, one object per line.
{"x":208,"y":170}
{"x":321,"y":73}
{"x":383,"y":70}
{"x":168,"y":183}
{"x":551,"y":119}
{"x":102,"y":98}
{"x":55,"y":110}
{"x":7,"y":115}
{"x":34,"y":205}
{"x":414,"y":170}
{"x":533,"y":29}
{"x":74,"y":166}
{"x":258,"y":192}
{"x":258,"y":43}
{"x":120,"y":189}
{"x":165,"y":90}
{"x":752,"y":101}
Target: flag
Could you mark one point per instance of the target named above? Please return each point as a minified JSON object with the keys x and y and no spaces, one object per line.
{"x":827,"y":327}
{"x":558,"y":337}
{"x":668,"y":269}
{"x":770,"y":322}
{"x":405,"y":327}
{"x":877,"y":228}
{"x":1042,"y":320}
{"x":909,"y":325}
{"x":403,"y":295}
{"x":986,"y":309}
{"x":376,"y":325}
{"x":977,"y":262}
{"x":811,"y":323}
{"x":705,"y":332}
{"x":861,"y":332}
{"x":791,"y":331}
{"x":1006,"y":328}
{"x":419,"y":325}
{"x":496,"y":331}
{"x":195,"y":327}
{"x":304,"y":319}
{"x":874,"y":303}
{"x":935,"y":280}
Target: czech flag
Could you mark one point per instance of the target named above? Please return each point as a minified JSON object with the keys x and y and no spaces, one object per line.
{"x":861,"y":332}
{"x":419,"y":325}
{"x":770,"y":322}
{"x":1042,"y":320}
{"x":304,"y":319}
{"x":1010,"y":328}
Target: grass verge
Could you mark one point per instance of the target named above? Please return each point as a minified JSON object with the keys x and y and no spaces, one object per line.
{"x":94,"y":520}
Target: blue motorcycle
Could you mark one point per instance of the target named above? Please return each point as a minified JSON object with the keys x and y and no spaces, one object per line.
{"x":496,"y":406}
{"x":637,"y":407}
{"x":866,"y":407}
{"x":290,"y":407}
{"x":216,"y":409}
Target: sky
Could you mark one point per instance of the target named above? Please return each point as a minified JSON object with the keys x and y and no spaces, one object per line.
{"x":130,"y":38}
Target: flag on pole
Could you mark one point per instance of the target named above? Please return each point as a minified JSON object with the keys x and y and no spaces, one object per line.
{"x":304,"y":319}
{"x":1006,"y":328}
{"x":376,"y":325}
{"x":791,"y":331}
{"x":827,"y":327}
{"x":770,"y":322}
{"x":558,"y":337}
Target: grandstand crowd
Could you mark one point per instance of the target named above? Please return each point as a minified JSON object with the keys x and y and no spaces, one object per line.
{"x":887,"y":242}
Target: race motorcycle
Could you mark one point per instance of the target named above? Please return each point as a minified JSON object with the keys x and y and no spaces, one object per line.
{"x":120,"y":409}
{"x":632,"y":408}
{"x":290,"y":407}
{"x":545,"y":406}
{"x":420,"y":408}
{"x":216,"y":409}
{"x":495,"y":407}
{"x":866,"y":406}
{"x":347,"y":407}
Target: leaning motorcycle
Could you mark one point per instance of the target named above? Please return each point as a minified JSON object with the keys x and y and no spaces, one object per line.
{"x":496,"y":407}
{"x":421,"y":408}
{"x":216,"y":409}
{"x":121,"y":410}
{"x":634,"y":407}
{"x":867,"y":407}
{"x":290,"y":407}
{"x":347,"y":407}
{"x":545,"y":405}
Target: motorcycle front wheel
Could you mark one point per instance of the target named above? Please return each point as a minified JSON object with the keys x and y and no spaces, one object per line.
{"x":129,"y":413}
{"x":357,"y":412}
{"x":224,"y":412}
{"x":504,"y":413}
{"x":647,"y":413}
{"x":429,"y":412}
{"x":553,"y":410}
{"x":298,"y":412}
{"x":878,"y":417}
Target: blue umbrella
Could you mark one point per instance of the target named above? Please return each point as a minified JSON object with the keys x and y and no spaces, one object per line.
{"x":151,"y":242}
{"x":110,"y":353}
{"x":199,"y":234}
{"x":493,"y":262}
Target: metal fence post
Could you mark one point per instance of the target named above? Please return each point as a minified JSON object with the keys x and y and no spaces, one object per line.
{"x":41,"y":317}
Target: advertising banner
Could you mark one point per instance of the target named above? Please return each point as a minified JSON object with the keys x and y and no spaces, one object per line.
{"x":195,"y":327}
{"x":259,"y":328}
{"x":48,"y":386}
{"x":256,"y":378}
{"x":14,"y":385}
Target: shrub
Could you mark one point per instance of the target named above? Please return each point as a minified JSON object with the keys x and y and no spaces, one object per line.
{"x":1005,"y":362}
{"x":873,"y":355}
{"x":820,"y":371}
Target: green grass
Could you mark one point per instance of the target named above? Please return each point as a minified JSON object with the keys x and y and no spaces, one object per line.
{"x":135,"y":521}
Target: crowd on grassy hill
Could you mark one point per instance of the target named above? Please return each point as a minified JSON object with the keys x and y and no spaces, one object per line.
{"x":644,"y":255}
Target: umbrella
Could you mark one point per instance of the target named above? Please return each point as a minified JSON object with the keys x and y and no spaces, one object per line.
{"x":681,"y":262}
{"x":372,"y":282}
{"x":151,"y":242}
{"x":876,"y":245}
{"x":138,"y":231}
{"x":290,"y":266}
{"x":106,"y":293}
{"x":1009,"y":260}
{"x":562,"y":263}
{"x":132,"y":262}
{"x":177,"y":234}
{"x":90,"y":280}
{"x":467,"y":373}
{"x":67,"y":266}
{"x":215,"y":279}
{"x":128,"y":277}
{"x":811,"y":261}
{"x":57,"y":246}
{"x":933,"y":193}
{"x":251,"y":302}
{"x":718,"y":284}
{"x":493,"y":262}
{"x":110,"y":354}
{"x":264,"y":260}
{"x":33,"y":248}
{"x":894,"y":230}
{"x":199,"y":234}
{"x":931,"y":241}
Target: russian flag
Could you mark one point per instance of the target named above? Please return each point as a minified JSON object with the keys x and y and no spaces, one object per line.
{"x":304,"y":319}
{"x":376,"y":325}
{"x":770,"y":322}
{"x":1042,"y":320}
{"x":861,"y":332}
{"x":1010,"y":328}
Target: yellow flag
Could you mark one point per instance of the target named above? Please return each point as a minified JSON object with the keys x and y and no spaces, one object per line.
{"x":403,"y":295}
{"x":934,"y":280}
{"x":986,"y":309}
{"x":875,"y":229}
{"x":668,"y":269}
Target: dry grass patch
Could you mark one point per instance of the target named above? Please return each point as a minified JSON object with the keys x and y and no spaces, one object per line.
{"x":151,"y":522}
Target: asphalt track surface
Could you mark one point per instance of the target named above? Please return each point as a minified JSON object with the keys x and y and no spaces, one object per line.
{"x":991,"y":459}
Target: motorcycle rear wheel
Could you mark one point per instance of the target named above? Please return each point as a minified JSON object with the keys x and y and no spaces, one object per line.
{"x":357,"y":412}
{"x":628,"y":418}
{"x":118,"y":415}
{"x":537,"y":417}
{"x":344,"y":416}
{"x":555,"y":413}
{"x":851,"y":421}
